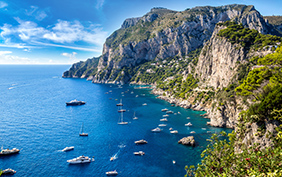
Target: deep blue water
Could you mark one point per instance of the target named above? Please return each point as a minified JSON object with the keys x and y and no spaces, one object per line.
{"x":35,"y":119}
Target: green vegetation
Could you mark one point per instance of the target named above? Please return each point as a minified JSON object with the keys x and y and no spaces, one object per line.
{"x":220,"y":159}
{"x":245,"y":37}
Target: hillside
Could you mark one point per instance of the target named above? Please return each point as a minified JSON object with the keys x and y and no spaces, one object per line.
{"x":222,"y":60}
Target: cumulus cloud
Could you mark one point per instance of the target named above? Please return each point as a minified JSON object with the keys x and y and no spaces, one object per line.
{"x":62,"y":32}
{"x":65,"y":31}
{"x":5,"y":58}
{"x":70,"y":55}
{"x":3,"y":4}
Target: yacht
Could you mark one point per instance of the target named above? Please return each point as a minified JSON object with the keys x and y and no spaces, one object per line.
{"x":163,"y":120}
{"x":112,"y":173}
{"x":8,"y":171}
{"x":81,"y":132}
{"x":139,"y":153}
{"x":164,"y":110}
{"x":80,"y":159}
{"x":192,"y":132}
{"x":134,"y":117}
{"x":122,"y":110}
{"x":170,"y":128}
{"x":156,"y":130}
{"x":68,"y":148}
{"x":144,"y":104}
{"x":174,"y":132}
{"x":169,"y":112}
{"x":9,"y":151}
{"x":141,"y":142}
{"x":188,"y":124}
{"x":75,"y":103}
{"x":166,"y":115}
{"x":162,"y":125}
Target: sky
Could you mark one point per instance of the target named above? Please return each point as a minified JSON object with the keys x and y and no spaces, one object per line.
{"x":68,"y":31}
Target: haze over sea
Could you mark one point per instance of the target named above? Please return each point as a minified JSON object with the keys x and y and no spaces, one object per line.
{"x":35,"y":119}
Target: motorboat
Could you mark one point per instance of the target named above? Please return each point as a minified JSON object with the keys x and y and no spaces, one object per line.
{"x":141,"y":142}
{"x":166,"y":115}
{"x":164,"y":110}
{"x":188,"y":124}
{"x":169,"y":112}
{"x":170,"y":128}
{"x":9,"y":151}
{"x":81,"y":131}
{"x":8,"y":171}
{"x":139,"y":153}
{"x":112,"y":173}
{"x":162,"y":125}
{"x":156,"y":130}
{"x":122,"y":110}
{"x":163,"y":120}
{"x":80,"y":159}
{"x":144,"y":104}
{"x":75,"y":103}
{"x":174,"y":132}
{"x":120,"y":104}
{"x":68,"y":148}
{"x":192,"y":132}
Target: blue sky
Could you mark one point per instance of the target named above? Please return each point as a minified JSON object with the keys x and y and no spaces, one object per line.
{"x":67,"y":31}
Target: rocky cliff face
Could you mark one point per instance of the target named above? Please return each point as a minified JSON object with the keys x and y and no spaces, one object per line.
{"x":181,"y":33}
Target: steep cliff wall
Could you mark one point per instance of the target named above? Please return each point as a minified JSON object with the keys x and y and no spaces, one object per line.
{"x":164,"y":33}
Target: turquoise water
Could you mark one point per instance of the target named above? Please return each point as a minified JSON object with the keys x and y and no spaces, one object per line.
{"x":35,"y":119}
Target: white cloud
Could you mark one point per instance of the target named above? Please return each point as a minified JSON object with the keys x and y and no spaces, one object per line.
{"x":11,"y":59}
{"x":62,"y":32}
{"x":70,"y":55}
{"x":36,"y":12}
{"x":99,"y":4}
{"x":3,"y":4}
{"x":5,"y":52}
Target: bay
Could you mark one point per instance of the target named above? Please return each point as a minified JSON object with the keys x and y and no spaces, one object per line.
{"x":35,"y":119}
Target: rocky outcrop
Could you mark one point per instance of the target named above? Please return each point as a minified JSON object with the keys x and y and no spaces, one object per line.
{"x":188,"y":141}
{"x":181,"y":33}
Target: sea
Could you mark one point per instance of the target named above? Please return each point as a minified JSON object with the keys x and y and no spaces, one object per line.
{"x":35,"y":119}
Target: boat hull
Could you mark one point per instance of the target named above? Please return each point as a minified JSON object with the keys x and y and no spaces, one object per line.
{"x":75,"y":104}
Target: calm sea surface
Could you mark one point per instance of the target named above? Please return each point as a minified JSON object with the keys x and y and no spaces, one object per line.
{"x":35,"y":119}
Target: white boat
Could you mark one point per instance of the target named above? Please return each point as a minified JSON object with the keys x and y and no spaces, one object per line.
{"x":169,"y":112}
{"x":141,"y":142}
{"x":174,"y":132}
{"x":121,"y":120}
{"x":8,"y":171}
{"x":163,"y":120}
{"x":156,"y":130}
{"x":68,"y":148}
{"x":162,"y":125}
{"x":134,"y":117}
{"x":139,"y":153}
{"x":75,"y":103}
{"x":204,"y":128}
{"x":173,"y":161}
{"x":188,"y":118}
{"x":188,"y":124}
{"x":81,"y":131}
{"x":170,"y":128}
{"x":144,"y":104}
{"x":179,"y":112}
{"x":9,"y":151}
{"x":120,"y":104}
{"x":80,"y":159}
{"x":192,"y":132}
{"x":112,"y":173}
{"x":166,"y":115}
{"x":164,"y":110}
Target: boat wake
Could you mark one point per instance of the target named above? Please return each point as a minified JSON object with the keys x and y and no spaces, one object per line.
{"x":115,"y":156}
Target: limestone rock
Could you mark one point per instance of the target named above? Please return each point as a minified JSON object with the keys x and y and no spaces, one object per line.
{"x":189,"y":141}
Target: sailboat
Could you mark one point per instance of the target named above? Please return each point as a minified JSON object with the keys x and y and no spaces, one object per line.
{"x":81,"y":132}
{"x":134,"y":117}
{"x":121,"y":120}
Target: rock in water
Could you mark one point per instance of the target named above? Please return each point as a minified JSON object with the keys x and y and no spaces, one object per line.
{"x":189,"y":141}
